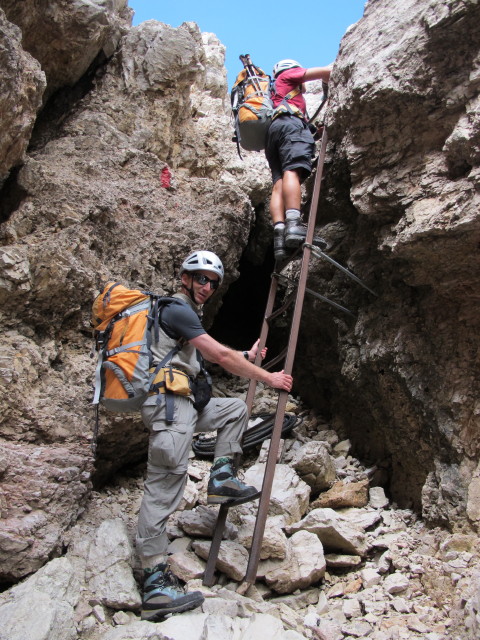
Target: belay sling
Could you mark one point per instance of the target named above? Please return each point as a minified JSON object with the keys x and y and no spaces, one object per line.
{"x":125,"y":321}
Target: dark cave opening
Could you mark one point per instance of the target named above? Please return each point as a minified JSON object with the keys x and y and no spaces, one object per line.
{"x":11,"y":195}
{"x":239,"y":320}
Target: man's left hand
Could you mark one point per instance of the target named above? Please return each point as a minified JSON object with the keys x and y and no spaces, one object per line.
{"x":252,"y":353}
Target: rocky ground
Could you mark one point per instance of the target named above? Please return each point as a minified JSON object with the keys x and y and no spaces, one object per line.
{"x":339,"y":561}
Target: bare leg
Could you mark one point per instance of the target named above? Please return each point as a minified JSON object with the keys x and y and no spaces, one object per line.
{"x":291,"y":190}
{"x":277,"y":207}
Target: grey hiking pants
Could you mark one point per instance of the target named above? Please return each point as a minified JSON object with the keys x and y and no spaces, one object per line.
{"x":169,"y":447}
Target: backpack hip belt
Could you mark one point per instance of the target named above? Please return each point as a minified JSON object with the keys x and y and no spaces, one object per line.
{"x":171,"y":380}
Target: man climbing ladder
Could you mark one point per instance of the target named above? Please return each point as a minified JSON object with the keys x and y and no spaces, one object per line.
{"x":289,"y":151}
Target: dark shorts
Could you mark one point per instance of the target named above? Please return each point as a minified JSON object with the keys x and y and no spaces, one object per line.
{"x":290,"y":145}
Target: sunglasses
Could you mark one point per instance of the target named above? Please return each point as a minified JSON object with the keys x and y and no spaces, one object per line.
{"x":203,"y":280}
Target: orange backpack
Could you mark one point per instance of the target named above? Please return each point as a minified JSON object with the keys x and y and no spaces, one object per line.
{"x":124,"y":323}
{"x":252,"y":107}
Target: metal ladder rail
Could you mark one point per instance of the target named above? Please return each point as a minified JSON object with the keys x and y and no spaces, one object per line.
{"x":209,"y":574}
{"x":264,"y":503}
{"x":270,"y":315}
{"x":208,"y":577}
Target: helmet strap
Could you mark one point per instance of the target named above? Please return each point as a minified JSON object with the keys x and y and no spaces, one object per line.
{"x":190,"y":292}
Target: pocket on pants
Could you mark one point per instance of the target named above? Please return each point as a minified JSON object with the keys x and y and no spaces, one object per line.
{"x":302,"y":145}
{"x":169,"y":446}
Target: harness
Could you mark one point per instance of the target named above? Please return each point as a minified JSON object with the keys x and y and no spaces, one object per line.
{"x":286,"y":107}
{"x":170,"y":381}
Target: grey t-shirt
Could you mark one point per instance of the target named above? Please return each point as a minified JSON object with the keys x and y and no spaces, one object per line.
{"x":183,"y":322}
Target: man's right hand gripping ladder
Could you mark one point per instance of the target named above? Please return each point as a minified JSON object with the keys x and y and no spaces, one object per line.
{"x":289,"y":355}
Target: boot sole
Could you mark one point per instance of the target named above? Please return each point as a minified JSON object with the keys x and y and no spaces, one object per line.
{"x":155,"y":615}
{"x":232,"y":502}
{"x":292,"y":242}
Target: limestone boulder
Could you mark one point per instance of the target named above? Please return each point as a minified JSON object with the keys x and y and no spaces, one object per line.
{"x":303,"y":566}
{"x":274,"y":541}
{"x":108,"y":569}
{"x":79,"y":31}
{"x":315,"y":466}
{"x":52,"y":593}
{"x":43,"y":491}
{"x":232,"y":557}
{"x":335,"y":532}
{"x":343,"y":494}
{"x":186,"y":565}
{"x":290,"y":494}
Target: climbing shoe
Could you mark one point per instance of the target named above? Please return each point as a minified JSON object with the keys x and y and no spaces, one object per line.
{"x":296,"y":232}
{"x":279,"y":243}
{"x":163,"y":594}
{"x":225,"y":488}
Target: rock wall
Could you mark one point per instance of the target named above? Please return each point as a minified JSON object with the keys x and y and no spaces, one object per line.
{"x":86,"y":202}
{"x":401,"y":209}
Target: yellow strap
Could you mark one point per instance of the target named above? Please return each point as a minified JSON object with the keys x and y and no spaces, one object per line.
{"x":293,"y":93}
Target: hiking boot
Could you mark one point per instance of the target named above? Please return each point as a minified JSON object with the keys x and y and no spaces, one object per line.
{"x":279,"y":243}
{"x":296,"y":232}
{"x":163,"y":594}
{"x":225,"y":488}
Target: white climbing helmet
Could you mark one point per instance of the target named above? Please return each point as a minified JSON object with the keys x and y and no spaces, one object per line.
{"x":283,"y":65}
{"x":203,"y":261}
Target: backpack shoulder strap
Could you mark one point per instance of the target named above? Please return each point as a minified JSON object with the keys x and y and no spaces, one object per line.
{"x":159,"y":304}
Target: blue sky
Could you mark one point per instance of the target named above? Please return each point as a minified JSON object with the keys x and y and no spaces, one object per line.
{"x":309,"y":32}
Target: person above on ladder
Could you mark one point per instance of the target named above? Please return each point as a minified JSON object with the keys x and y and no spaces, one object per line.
{"x":289,"y":151}
{"x":171,"y":435}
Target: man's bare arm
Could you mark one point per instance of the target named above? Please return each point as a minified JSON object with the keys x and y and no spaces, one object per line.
{"x":234,"y":362}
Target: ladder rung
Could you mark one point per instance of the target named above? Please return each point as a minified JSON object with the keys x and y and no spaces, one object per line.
{"x":289,"y":301}
{"x":319,"y":295}
{"x":274,"y":361}
{"x":320,"y":254}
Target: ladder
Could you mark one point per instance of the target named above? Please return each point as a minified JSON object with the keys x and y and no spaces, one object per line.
{"x":289,"y":355}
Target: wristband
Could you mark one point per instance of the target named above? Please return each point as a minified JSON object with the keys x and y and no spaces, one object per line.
{"x":245,"y":355}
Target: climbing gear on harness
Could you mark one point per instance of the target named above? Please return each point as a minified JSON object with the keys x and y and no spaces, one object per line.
{"x":203,"y":261}
{"x":201,"y":386}
{"x":279,"y":242}
{"x":296,"y":232}
{"x":225,"y":488}
{"x":163,"y":594}
{"x":283,"y":65}
{"x":171,"y":382}
{"x":124,"y":323}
